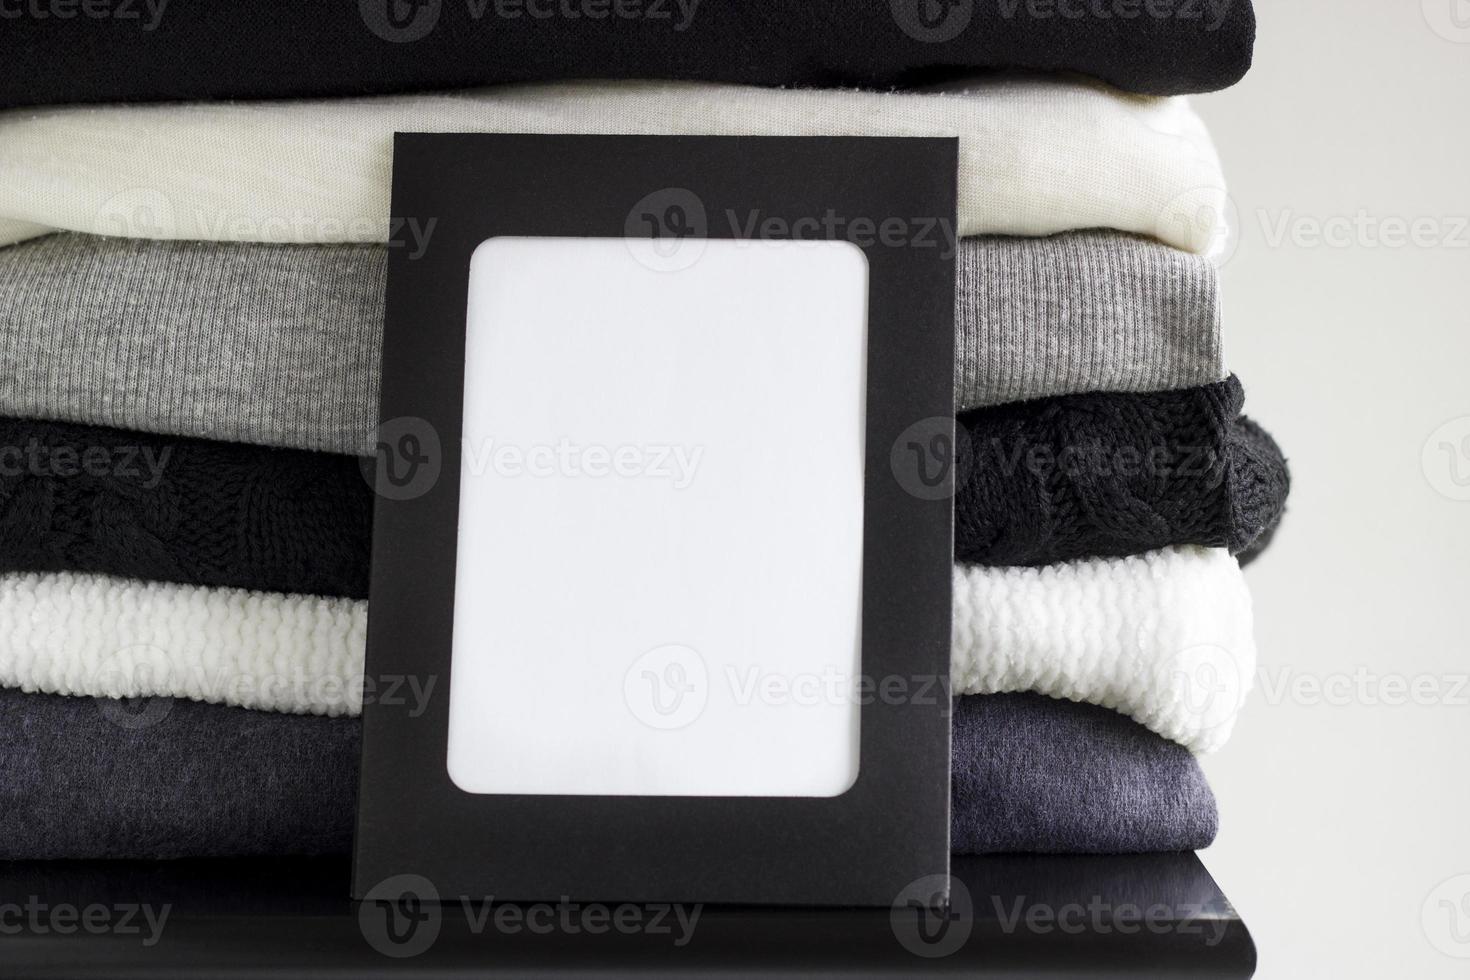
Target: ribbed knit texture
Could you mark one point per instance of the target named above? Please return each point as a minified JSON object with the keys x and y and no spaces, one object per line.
{"x":226,"y":49}
{"x":1088,"y":311}
{"x":90,"y":499}
{"x":1166,"y":638}
{"x":1137,"y":635}
{"x":280,"y":345}
{"x":1104,"y":474}
{"x":162,"y":778}
{"x":274,"y":345}
{"x":1036,"y":156}
{"x":1031,"y":774}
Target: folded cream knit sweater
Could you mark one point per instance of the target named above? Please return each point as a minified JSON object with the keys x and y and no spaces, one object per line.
{"x":1164,"y":638}
{"x":1037,"y":156}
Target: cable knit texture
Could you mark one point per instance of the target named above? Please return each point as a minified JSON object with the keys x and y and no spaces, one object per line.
{"x":88,"y":499}
{"x":225,"y":49}
{"x":1041,"y":483}
{"x":110,"y":637}
{"x":1260,"y":480}
{"x":1037,"y":156}
{"x":163,"y":778}
{"x":1032,"y":774}
{"x":1165,"y":638}
{"x":1105,"y":475}
{"x":1146,"y":636}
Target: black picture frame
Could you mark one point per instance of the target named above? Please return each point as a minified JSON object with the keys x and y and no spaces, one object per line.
{"x":892,"y":197}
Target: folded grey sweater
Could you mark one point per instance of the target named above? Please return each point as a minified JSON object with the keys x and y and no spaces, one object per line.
{"x":159,"y":778}
{"x":1081,"y":312}
{"x":279,"y":345}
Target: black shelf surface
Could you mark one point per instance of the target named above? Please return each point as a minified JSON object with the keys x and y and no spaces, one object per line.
{"x":1157,"y":915}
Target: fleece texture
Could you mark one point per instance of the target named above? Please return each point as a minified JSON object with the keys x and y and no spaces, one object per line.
{"x":84,"y":778}
{"x":1032,"y":774}
{"x":164,"y":778}
{"x":1166,"y":638}
{"x":1145,"y":636}
{"x":89,"y":499}
{"x":281,"y":345}
{"x":1036,"y":156}
{"x":70,"y":633}
{"x":225,"y":49}
{"x":1107,"y":474}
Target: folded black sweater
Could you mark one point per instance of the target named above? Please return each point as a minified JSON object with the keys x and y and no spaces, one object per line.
{"x":155,"y":50}
{"x":83,"y":498}
{"x":160,"y":778}
{"x":1038,"y":482}
{"x":1107,"y":474}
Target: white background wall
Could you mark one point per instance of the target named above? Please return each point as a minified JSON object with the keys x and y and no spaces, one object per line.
{"x":1343,"y":816}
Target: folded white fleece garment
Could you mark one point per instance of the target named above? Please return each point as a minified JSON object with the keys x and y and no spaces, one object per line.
{"x":1164,"y":638}
{"x":1037,"y":156}
{"x":81,"y":634}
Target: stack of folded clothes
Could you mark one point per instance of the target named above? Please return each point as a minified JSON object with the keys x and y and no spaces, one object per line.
{"x":191,"y":308}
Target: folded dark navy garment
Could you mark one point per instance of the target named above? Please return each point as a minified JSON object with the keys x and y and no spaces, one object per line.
{"x":159,"y":778}
{"x":156,"y":50}
{"x":1038,"y":774}
{"x":162,"y":778}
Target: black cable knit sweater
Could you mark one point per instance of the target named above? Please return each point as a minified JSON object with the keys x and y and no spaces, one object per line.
{"x":1039,"y":482}
{"x":85,"y":499}
{"x":1101,"y":475}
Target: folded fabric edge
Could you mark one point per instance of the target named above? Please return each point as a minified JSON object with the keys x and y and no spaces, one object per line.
{"x":1029,"y":775}
{"x":94,"y":635}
